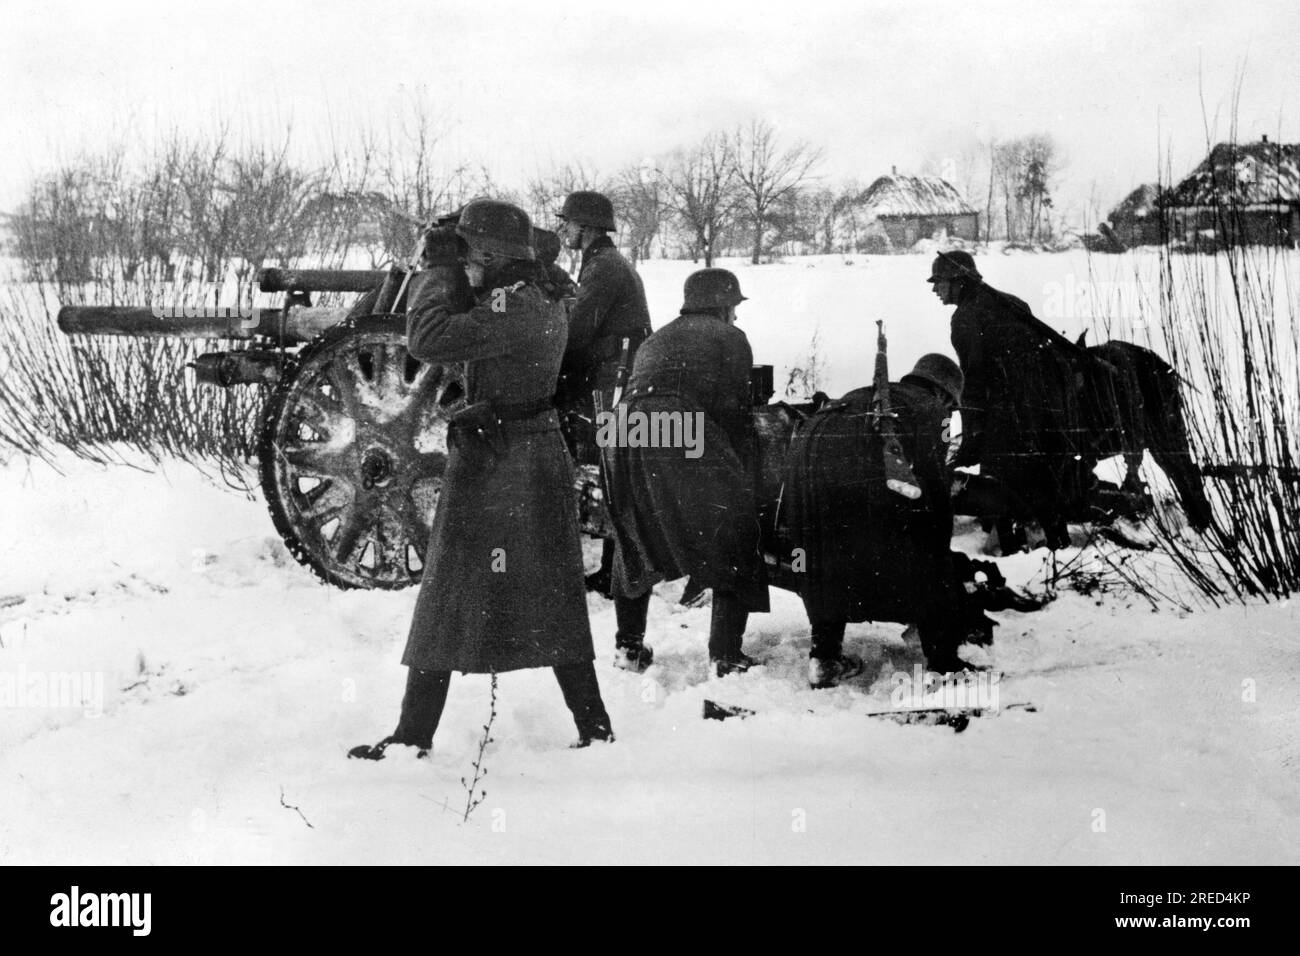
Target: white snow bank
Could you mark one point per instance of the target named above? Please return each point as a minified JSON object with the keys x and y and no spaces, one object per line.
{"x":231,"y":684}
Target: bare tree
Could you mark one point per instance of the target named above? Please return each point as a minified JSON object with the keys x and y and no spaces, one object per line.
{"x":988,"y":209}
{"x":767,"y":175}
{"x":702,"y":192}
{"x":273,"y":202}
{"x":545,"y":191}
{"x":641,"y":197}
{"x":348,"y":199}
{"x":1008,"y":166}
{"x":1041,"y":161}
{"x":417,"y":184}
{"x":1022,"y":170}
{"x":544,"y":194}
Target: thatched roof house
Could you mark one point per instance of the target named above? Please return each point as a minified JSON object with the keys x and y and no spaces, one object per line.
{"x":919,"y":207}
{"x":1136,"y":220}
{"x":1252,"y":190}
{"x":1141,"y":203}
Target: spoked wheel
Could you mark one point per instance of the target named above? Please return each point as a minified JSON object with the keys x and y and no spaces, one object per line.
{"x":353,"y":448}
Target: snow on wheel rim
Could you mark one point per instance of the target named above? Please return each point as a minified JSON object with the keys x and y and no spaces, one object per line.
{"x":353,"y":448}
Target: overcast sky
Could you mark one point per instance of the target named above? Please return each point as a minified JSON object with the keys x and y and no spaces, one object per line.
{"x":520,"y":86}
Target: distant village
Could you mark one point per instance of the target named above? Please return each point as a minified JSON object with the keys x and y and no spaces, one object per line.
{"x":1245,"y":193}
{"x":200,"y":210}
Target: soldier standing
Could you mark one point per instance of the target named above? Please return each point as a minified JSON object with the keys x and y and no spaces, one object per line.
{"x":873,"y":554}
{"x":676,"y":515}
{"x":502,"y":585}
{"x":1021,"y":417}
{"x":609,"y":309}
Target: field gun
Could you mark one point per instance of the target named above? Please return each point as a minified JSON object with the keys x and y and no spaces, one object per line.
{"x":352,"y":440}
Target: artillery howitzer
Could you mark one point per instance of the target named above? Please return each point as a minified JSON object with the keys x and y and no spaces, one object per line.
{"x":352,"y":442}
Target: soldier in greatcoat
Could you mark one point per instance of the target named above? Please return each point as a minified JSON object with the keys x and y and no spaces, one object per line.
{"x":503,"y":585}
{"x":872,"y":552}
{"x":1022,"y":418}
{"x":609,"y":309}
{"x":678,"y":514}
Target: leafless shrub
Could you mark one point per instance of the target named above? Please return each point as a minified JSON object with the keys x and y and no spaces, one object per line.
{"x":1230,"y":322}
{"x":96,"y":395}
{"x":474,"y":795}
{"x":176,"y":229}
{"x":1230,"y":328}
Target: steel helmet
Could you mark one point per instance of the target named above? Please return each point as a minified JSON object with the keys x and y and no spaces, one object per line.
{"x":588,"y":208}
{"x":711,"y":289}
{"x":500,"y":228}
{"x":939,"y":370}
{"x":953,"y":265}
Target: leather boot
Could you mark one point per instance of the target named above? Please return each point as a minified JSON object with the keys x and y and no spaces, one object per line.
{"x":422,"y":704}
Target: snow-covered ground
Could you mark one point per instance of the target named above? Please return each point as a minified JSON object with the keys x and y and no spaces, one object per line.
{"x":840,"y":297}
{"x":224,"y":685}
{"x":222,"y":682}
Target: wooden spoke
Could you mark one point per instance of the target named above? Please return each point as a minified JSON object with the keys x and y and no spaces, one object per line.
{"x":353,"y":452}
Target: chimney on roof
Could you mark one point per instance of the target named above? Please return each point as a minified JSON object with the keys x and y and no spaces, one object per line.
{"x":1264,"y":138}
{"x":893,"y":170}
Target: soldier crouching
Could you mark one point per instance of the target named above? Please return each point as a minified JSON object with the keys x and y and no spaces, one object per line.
{"x":873,"y":553}
{"x":503,"y":579}
{"x":678,"y":514}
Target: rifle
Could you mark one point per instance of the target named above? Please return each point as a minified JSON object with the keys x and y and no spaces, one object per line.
{"x":898,"y":471}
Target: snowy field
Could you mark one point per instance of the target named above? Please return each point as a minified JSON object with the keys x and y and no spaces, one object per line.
{"x":223,"y":685}
{"x":839,"y":299}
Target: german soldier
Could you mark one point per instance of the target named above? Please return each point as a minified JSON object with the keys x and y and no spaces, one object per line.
{"x":872,"y":552}
{"x":676,"y":515}
{"x":609,"y":310}
{"x":502,"y":586}
{"x":1021,"y":417}
{"x":610,"y":306}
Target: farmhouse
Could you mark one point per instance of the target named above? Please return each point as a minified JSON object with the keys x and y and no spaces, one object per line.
{"x":1136,"y":220}
{"x":919,"y":207}
{"x":1249,"y":193}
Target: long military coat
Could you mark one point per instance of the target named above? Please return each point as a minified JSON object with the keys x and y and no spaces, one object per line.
{"x":674,"y":515}
{"x":1021,"y":406}
{"x":869,"y":552}
{"x":503,"y":579}
{"x":610,"y":305}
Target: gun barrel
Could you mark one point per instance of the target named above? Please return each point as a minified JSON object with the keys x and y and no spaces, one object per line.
{"x":319,"y":280}
{"x":294,"y":328}
{"x":135,"y":321}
